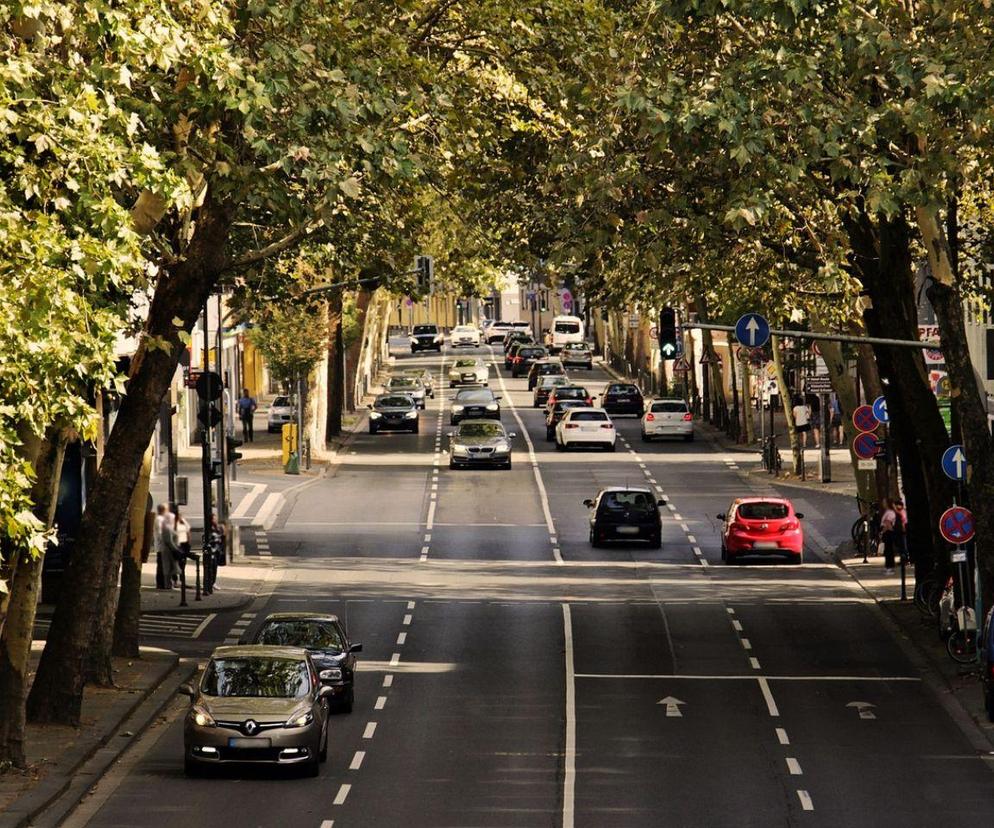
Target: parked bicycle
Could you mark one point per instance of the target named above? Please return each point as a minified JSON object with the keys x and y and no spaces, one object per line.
{"x":865,"y":530}
{"x":772,"y":461}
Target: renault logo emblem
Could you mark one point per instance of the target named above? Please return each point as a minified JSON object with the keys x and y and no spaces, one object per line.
{"x":250,"y":727}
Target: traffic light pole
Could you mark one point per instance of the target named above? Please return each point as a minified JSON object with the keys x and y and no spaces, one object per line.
{"x":206,"y":447}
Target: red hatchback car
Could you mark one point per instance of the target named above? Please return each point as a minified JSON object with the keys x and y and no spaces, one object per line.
{"x":761,"y":526}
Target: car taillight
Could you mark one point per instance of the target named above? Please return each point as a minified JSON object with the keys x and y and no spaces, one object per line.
{"x":688,"y":417}
{"x":790,"y":525}
{"x":516,"y":359}
{"x":607,"y":425}
{"x":650,"y":416}
{"x":572,"y":425}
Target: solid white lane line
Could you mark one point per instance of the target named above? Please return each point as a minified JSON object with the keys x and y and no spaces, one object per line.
{"x":381,"y":702}
{"x":746,"y":643}
{"x":388,"y":680}
{"x":203,"y":625}
{"x":794,"y":766}
{"x":569,"y":772}
{"x":754,"y":663}
{"x":407,"y":620}
{"x":782,"y":736}
{"x":771,"y":704}
{"x":356,"y":762}
{"x":401,"y":639}
{"x":369,"y":731}
{"x":395,"y":659}
{"x":806,"y":803}
{"x":738,"y":677}
{"x":343,"y":792}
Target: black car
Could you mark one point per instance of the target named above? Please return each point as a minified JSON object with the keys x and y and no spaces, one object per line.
{"x":625,"y":513}
{"x":475,"y":404}
{"x":544,"y":368}
{"x":512,"y":338}
{"x":554,"y":414}
{"x":512,"y":352}
{"x":623,"y":398}
{"x":325,"y":638}
{"x":480,"y":443}
{"x":525,"y":356}
{"x":577,"y":353}
{"x":397,"y":411}
{"x":426,"y":338}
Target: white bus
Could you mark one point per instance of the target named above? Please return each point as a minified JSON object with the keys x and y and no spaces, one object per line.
{"x":565,"y":329}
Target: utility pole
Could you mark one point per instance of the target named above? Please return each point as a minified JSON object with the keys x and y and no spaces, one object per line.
{"x":222,"y":426}
{"x":206,"y":440}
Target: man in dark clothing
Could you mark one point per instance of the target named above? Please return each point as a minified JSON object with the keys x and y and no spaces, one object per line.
{"x":246,"y":410}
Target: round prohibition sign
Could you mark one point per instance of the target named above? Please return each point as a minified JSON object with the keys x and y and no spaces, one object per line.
{"x":864,"y":419}
{"x":956,"y":525}
{"x":865,"y":446}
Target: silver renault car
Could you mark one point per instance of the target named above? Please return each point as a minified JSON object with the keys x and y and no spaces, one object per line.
{"x":257,"y":704}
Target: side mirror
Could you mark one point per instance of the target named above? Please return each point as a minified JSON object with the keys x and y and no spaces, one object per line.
{"x":588,"y":503}
{"x":799,"y":515}
{"x":326,"y":692}
{"x":355,"y":648}
{"x":498,"y":399}
{"x":511,"y":435}
{"x":720,"y":516}
{"x":186,"y":689}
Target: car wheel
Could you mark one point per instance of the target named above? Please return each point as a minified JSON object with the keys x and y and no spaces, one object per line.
{"x":550,"y":434}
{"x":559,"y":445}
{"x":323,"y":753}
{"x":191,"y":768}
{"x":452,"y":385}
{"x":730,"y":559}
{"x":689,"y":438}
{"x":797,"y":560}
{"x":611,"y":446}
{"x":645,"y":437}
{"x":593,"y":540}
{"x":507,"y":465}
{"x":990,"y":704}
{"x":416,"y":428}
{"x":372,"y":429}
{"x":656,"y":541}
{"x":312,"y":768}
{"x":348,"y":702}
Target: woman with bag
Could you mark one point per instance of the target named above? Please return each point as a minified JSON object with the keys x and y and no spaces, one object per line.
{"x":888,"y":534}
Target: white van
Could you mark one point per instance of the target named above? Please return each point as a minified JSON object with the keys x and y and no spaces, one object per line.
{"x":565,"y":329}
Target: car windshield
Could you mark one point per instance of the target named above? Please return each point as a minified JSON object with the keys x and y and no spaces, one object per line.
{"x":481,"y":430}
{"x":281,"y":402}
{"x":669,"y":407}
{"x":571,"y":392}
{"x":568,"y":327}
{"x":309,"y":633}
{"x":465,"y":363}
{"x":550,"y":368}
{"x":531,"y":352}
{"x":396,"y":401}
{"x":628,"y":501}
{"x":621,"y":389}
{"x":255,"y":677}
{"x":519,"y":324}
{"x":403,"y":382}
{"x":425,"y":329}
{"x":763,"y":511}
{"x":587,"y":415}
{"x":476,"y":396}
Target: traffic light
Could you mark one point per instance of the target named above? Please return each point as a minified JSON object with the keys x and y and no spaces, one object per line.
{"x":231,"y":446}
{"x":208,"y":414}
{"x":668,"y":345}
{"x":425,"y":267}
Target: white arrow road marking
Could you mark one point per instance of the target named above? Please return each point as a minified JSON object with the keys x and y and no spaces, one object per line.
{"x":863,"y":708}
{"x":672,"y":706}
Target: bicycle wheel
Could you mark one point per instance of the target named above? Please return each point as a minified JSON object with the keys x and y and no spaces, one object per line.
{"x":962,"y":646}
{"x":861,"y":536}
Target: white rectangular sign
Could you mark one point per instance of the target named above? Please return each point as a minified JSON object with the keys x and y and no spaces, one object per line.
{"x":866,"y":465}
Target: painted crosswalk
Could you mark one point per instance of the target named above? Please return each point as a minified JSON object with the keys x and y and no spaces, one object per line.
{"x":161,"y":624}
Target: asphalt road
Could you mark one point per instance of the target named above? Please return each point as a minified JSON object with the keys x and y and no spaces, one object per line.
{"x":514,"y":676}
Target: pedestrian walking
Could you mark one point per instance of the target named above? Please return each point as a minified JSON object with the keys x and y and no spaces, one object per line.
{"x":888,"y":533}
{"x":901,"y":528}
{"x":161,"y":567}
{"x":802,"y":420}
{"x":182,"y":541}
{"x":814,"y":417}
{"x":166,"y":549}
{"x":246,"y":410}
{"x":836,"y":422}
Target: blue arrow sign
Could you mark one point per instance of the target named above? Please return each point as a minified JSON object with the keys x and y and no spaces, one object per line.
{"x":954,"y":463}
{"x":752,"y":330}
{"x":880,"y":410}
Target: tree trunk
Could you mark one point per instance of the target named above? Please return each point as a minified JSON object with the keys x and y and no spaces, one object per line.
{"x":354,"y":350}
{"x":881,"y":259}
{"x":126,"y":634}
{"x":57,"y":693}
{"x":788,"y":408}
{"x":98,"y":668}
{"x":969,"y":404}
{"x":15,"y":639}
{"x":336,"y":382}
{"x":869,"y":373}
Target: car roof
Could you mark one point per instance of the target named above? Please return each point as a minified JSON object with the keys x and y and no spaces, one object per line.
{"x":301,"y":616}
{"x":480,"y":421}
{"x":598,"y":409}
{"x":756,"y":499}
{"x":260,"y":651}
{"x":668,"y":399}
{"x":607,"y":489}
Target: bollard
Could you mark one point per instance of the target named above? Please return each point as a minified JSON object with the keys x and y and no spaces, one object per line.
{"x":182,"y":585}
{"x":197,"y":559}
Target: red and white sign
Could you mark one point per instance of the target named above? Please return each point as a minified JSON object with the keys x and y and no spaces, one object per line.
{"x":926,"y":333}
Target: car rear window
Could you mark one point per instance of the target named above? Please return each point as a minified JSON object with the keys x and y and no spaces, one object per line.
{"x":311,"y":634}
{"x":621,"y":389}
{"x":571,"y":392}
{"x":281,"y":402}
{"x":531,"y":352}
{"x":763,"y":511}
{"x":578,"y":346}
{"x":562,"y":405}
{"x":632,"y":501}
{"x":568,"y":327}
{"x":551,"y":368}
{"x":519,"y":325}
{"x":588,"y":415}
{"x":670,"y":407}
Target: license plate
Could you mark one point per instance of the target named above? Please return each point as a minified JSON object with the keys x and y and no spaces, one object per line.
{"x":766,"y":545}
{"x":628,"y":530}
{"x":238,"y":742}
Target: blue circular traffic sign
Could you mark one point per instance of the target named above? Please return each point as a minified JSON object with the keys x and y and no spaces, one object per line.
{"x":954,"y":463}
{"x":865,"y":446}
{"x":956,"y":525}
{"x":752,"y":330}
{"x":880,"y":410}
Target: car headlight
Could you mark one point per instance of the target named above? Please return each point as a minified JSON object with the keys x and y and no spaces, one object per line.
{"x":414,"y":340}
{"x":302,"y":720}
{"x":439,"y":338}
{"x":457,"y":407}
{"x":330,"y":674}
{"x":201,"y":717}
{"x":492,"y":407}
{"x":503,"y":446}
{"x":410,"y":415}
{"x":458,"y":449}
{"x":374,"y":415}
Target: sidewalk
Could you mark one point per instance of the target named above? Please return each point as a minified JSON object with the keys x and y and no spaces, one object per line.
{"x":65,"y":761}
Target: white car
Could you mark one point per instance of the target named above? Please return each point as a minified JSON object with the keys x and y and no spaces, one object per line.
{"x":496,"y":330}
{"x":469,"y":371}
{"x":464,"y":335}
{"x":667,"y":418}
{"x":281,"y":411}
{"x":585,"y":427}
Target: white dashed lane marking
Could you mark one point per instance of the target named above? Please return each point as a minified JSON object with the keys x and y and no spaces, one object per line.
{"x":369,"y":731}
